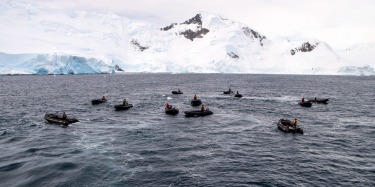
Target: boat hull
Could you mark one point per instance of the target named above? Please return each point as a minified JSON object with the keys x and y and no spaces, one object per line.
{"x":172,"y":111}
{"x":54,"y":118}
{"x":305,"y":104}
{"x":238,"y":95}
{"x":286,"y":126}
{"x":197,"y":113}
{"x":123,"y":107}
{"x":321,"y":101}
{"x":177,"y":92}
{"x":97,"y":101}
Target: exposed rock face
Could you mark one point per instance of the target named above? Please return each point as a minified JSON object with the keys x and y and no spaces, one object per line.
{"x":197,"y":19}
{"x":117,"y":68}
{"x":305,"y":47}
{"x":233,"y":55}
{"x":168,"y":27}
{"x":138,"y":46}
{"x":252,"y":34}
{"x":190,"y":34}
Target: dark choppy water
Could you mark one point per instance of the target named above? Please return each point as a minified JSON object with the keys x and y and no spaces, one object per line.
{"x":237,"y":146}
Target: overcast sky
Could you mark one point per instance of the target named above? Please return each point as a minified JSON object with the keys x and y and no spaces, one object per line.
{"x":340,"y":23}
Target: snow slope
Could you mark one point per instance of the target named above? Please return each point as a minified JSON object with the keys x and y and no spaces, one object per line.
{"x":97,"y":42}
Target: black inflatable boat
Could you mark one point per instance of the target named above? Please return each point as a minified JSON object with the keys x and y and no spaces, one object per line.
{"x":317,"y":100}
{"x":98,"y":101}
{"x":237,"y":95}
{"x":287,"y":126}
{"x":228,"y":92}
{"x":305,"y":104}
{"x":197,"y":113}
{"x":123,"y":107}
{"x":172,"y":111}
{"x":55,"y":118}
{"x":177,"y":92}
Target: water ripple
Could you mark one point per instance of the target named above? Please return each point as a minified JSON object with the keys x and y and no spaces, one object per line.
{"x":239,"y":145}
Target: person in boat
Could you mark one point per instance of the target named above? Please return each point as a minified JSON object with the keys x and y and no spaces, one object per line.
{"x":125,"y":102}
{"x":103,"y":98}
{"x":202,"y":108}
{"x":63,"y":116}
{"x":229,"y":90}
{"x":195,"y":97}
{"x":315,"y":98}
{"x":295,"y":121}
{"x":179,"y":91}
{"x":303,"y":99}
{"x":238,"y":93}
{"x":168,"y":106}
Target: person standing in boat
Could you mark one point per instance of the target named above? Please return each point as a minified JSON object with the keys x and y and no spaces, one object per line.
{"x":202,"y":107}
{"x":125,"y":102}
{"x":103,"y":98}
{"x":179,"y":91}
{"x":295,"y":121}
{"x":195,"y":97}
{"x":303,"y":99}
{"x":63,"y":116}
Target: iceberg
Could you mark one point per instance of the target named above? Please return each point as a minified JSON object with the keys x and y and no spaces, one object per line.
{"x":52,"y":64}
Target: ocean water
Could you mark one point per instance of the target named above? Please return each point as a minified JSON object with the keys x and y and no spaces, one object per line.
{"x":239,"y":145}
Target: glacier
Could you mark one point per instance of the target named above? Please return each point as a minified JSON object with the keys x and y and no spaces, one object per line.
{"x":40,"y":40}
{"x":52,"y":64}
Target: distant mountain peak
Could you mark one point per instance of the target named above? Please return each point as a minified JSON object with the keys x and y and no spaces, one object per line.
{"x":197,"y":19}
{"x":188,"y":33}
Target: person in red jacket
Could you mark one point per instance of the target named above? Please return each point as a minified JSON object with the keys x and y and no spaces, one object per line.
{"x":303,"y":99}
{"x":168,"y":106}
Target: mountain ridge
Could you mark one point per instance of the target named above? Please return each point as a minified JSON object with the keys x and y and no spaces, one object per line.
{"x":204,"y":43}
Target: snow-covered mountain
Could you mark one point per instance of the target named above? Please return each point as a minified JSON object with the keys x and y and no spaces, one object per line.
{"x":66,"y":41}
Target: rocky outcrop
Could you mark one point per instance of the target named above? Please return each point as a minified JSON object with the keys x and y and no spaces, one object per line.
{"x":191,"y":35}
{"x":253,"y":34}
{"x":117,"y":68}
{"x":138,"y":46}
{"x":305,"y":47}
{"x":233,"y":55}
{"x":197,"y":19}
{"x":168,"y":27}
